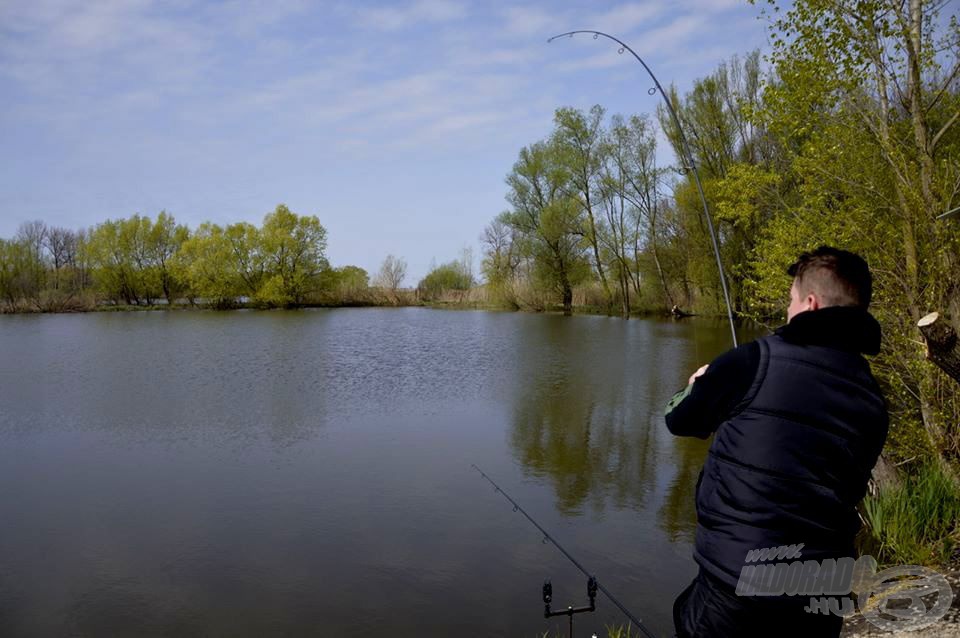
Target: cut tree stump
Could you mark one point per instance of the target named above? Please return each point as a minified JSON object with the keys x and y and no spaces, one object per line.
{"x":943,"y":347}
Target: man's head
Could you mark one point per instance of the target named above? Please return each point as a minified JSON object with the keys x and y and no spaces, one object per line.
{"x":828,"y":277}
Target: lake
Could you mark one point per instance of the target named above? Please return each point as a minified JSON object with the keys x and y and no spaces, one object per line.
{"x":308,"y":473}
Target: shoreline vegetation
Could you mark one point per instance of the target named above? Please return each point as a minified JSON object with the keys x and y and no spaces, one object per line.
{"x":476,"y":298}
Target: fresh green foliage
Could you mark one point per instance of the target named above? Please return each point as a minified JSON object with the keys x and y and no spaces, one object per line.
{"x":866,"y":116}
{"x":206,"y":262}
{"x":292,"y":249}
{"x":345,"y":284}
{"x":278,"y":264}
{"x":454,"y":275}
{"x":137,"y":261}
{"x":547,"y":220}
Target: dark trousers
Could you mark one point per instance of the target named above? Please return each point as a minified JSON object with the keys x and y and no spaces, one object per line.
{"x":709,"y":608}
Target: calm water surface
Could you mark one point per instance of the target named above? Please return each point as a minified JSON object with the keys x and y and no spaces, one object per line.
{"x":307,"y":473}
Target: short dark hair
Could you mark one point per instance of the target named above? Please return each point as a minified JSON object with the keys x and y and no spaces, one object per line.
{"x":840,"y":277}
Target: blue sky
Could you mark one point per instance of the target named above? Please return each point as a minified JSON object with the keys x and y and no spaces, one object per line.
{"x":395,"y":123}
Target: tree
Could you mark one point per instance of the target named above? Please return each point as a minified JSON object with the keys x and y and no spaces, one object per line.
{"x":500,"y":259}
{"x":579,"y":145}
{"x":247,"y":259}
{"x":16,"y":271}
{"x":110,"y":250}
{"x":32,"y":237}
{"x":719,"y":119}
{"x":61,"y":245}
{"x":292,"y":249}
{"x":392,"y":272}
{"x":454,"y":275}
{"x":630,"y":180}
{"x":347,"y":282}
{"x":163,"y":241}
{"x":207,"y":262}
{"x":547,"y":219}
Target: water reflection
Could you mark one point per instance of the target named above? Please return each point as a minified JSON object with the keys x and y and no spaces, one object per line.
{"x":587,"y":413}
{"x":578,"y":421}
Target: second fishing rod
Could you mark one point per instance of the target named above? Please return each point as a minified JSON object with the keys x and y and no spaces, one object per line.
{"x":591,"y":576}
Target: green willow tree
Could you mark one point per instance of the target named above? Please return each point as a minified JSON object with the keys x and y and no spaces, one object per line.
{"x":139,"y":260}
{"x":116,"y":250}
{"x":293,"y":251}
{"x":629,"y":184}
{"x":163,"y":241}
{"x":280,"y":264}
{"x":207,"y":263}
{"x":585,"y":212}
{"x":349,"y":284}
{"x":15,"y":272}
{"x":132,"y":259}
{"x":454,"y":275}
{"x":548,"y":220}
{"x":247,"y":259}
{"x":579,"y":145}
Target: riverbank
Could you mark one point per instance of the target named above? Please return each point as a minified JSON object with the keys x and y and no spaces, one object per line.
{"x":405,"y":301}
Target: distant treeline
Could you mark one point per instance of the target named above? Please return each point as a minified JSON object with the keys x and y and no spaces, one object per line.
{"x":140,"y":261}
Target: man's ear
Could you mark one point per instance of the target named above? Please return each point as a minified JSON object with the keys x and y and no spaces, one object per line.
{"x":813,"y":302}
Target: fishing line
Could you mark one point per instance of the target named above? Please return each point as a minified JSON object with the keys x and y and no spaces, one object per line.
{"x":546,"y":537}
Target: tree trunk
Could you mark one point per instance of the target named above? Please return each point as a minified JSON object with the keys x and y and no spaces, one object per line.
{"x":625,"y":287}
{"x":596,"y":253}
{"x":567,"y":299}
{"x":566,"y":289}
{"x":943,"y":347}
{"x":917,"y":111}
{"x":668,"y":298}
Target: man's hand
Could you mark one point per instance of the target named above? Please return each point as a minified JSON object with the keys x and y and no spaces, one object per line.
{"x":698,"y":373}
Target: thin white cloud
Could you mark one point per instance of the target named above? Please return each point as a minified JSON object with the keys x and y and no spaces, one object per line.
{"x":627,"y":17}
{"x":528,"y":21}
{"x":460,"y":121}
{"x":60,"y":49}
{"x":683,"y":33}
{"x":531,"y":20}
{"x":389,"y":18}
{"x":472,"y":58}
{"x":714,"y":6}
{"x":250,"y":17}
{"x":606,"y":58}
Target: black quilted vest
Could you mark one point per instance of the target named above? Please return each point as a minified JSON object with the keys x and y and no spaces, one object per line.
{"x":793,"y":462}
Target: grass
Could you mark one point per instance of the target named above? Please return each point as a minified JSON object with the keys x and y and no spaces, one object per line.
{"x":619,"y":631}
{"x":918,"y":521}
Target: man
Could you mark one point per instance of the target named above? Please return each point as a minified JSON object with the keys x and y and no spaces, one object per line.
{"x":799,"y":423}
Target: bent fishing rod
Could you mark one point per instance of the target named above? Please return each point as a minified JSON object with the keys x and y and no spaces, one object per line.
{"x":547,"y":537}
{"x":688,"y":161}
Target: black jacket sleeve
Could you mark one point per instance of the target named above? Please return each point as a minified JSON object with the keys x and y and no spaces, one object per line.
{"x":700,"y":408}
